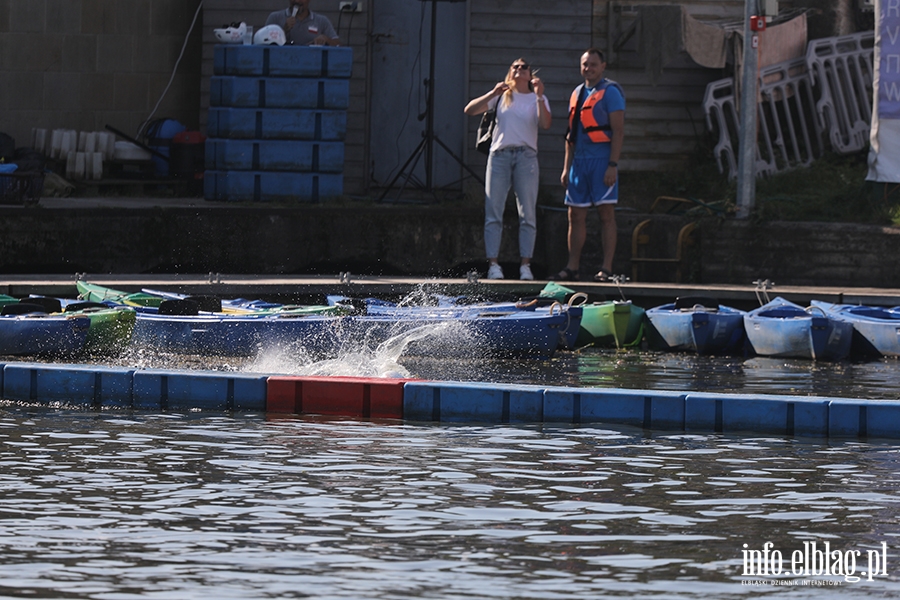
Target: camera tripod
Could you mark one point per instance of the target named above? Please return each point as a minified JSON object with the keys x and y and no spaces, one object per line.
{"x":429,"y":138}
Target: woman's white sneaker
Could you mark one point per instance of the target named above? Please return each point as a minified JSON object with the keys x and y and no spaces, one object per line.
{"x":495,"y":272}
{"x":525,"y":273}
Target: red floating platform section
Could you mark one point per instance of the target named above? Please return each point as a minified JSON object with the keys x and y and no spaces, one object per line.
{"x":367,"y":397}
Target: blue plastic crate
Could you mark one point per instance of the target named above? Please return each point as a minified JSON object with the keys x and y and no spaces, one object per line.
{"x":271,"y":92}
{"x":261,"y":186}
{"x":274,"y":155}
{"x":21,"y":187}
{"x":277,"y":124}
{"x":283,"y":61}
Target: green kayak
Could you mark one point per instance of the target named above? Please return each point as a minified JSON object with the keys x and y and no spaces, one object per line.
{"x":4,"y":300}
{"x":614,"y":324}
{"x":91,"y":292}
{"x":110,"y":330}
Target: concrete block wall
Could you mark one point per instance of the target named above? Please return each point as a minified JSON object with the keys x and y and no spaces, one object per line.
{"x":83,"y":64}
{"x":797,"y":253}
{"x":428,"y":241}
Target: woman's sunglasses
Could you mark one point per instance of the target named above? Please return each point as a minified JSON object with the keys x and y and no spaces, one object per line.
{"x":514,"y":67}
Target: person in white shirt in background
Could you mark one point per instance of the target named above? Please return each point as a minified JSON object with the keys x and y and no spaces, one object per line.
{"x":512,"y":162}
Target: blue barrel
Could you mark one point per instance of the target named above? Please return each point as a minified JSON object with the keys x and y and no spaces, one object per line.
{"x":159,"y":136}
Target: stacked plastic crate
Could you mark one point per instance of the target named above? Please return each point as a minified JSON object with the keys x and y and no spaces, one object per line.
{"x":277,"y":121}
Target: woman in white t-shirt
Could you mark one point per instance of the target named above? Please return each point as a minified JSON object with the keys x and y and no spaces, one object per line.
{"x":521,"y":109}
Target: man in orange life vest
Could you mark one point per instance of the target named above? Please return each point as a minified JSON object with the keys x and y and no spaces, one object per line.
{"x":591,"y":171}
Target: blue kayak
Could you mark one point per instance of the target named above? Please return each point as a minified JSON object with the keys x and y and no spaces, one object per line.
{"x":40,"y":334}
{"x":518,"y":333}
{"x":877,"y":329}
{"x":448,"y":309}
{"x":696,"y":325}
{"x":781,"y":328}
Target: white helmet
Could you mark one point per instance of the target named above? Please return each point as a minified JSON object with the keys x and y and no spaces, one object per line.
{"x":231,"y":34}
{"x":270,"y":34}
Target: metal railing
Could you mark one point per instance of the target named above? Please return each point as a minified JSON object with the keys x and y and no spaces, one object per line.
{"x":841,"y":69}
{"x":789,"y":135}
{"x":805,"y":105}
{"x":723,"y":121}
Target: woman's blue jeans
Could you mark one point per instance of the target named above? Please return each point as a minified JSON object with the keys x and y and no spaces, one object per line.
{"x":515,"y":167}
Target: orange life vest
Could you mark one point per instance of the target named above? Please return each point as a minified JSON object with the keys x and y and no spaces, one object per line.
{"x":594,"y":117}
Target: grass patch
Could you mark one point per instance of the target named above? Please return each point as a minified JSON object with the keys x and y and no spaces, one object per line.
{"x":832,"y":189}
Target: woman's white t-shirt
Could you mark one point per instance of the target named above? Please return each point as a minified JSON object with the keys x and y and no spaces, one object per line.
{"x":517,"y":124}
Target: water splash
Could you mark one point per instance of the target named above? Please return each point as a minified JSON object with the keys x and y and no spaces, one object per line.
{"x":346,"y":348}
{"x":360,"y":358}
{"x":421,"y":295}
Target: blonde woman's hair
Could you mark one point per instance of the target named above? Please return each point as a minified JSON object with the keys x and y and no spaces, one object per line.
{"x":509,"y":81}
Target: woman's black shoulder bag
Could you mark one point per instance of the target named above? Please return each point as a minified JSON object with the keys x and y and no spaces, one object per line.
{"x":486,"y":131}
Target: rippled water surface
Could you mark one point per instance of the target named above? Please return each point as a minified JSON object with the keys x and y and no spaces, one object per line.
{"x":877,"y":379}
{"x":118,"y":504}
{"x":110,"y":506}
{"x":672,"y":371}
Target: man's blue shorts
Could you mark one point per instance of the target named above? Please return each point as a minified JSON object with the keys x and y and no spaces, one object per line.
{"x":586,"y":187}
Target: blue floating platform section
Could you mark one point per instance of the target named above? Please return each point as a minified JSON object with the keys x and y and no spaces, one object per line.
{"x":272,"y":92}
{"x":472,"y":402}
{"x":71,"y":384}
{"x":274,"y":155}
{"x":283,"y":61}
{"x":864,"y":418}
{"x":109,"y":388}
{"x":799,"y":416}
{"x":277,"y":124}
{"x":270,"y":186}
{"x":187,"y":390}
{"x":91,"y":386}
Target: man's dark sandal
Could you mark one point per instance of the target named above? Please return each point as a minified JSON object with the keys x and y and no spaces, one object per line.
{"x":603,"y":275}
{"x":567,"y":274}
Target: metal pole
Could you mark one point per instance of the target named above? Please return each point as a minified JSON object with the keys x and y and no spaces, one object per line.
{"x":429,"y":123}
{"x":746,"y":183}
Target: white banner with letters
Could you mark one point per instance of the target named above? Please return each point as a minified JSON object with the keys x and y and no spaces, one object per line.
{"x":884,"y":152}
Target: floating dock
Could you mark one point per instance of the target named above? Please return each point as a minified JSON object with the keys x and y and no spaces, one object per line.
{"x":102,"y":388}
{"x":302,"y":287}
{"x":111,"y":388}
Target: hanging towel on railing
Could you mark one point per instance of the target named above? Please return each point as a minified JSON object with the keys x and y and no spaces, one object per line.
{"x":666,"y":30}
